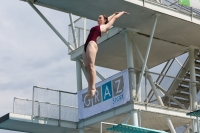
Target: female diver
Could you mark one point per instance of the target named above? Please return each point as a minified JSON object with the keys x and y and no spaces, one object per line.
{"x":91,"y":48}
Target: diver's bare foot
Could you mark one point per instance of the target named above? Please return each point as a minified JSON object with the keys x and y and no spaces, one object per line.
{"x":91,"y":93}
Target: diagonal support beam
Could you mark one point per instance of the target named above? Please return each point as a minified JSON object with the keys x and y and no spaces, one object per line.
{"x":169,"y":123}
{"x":51,"y":26}
{"x":188,"y":127}
{"x":57,"y":33}
{"x":162,"y":72}
{"x":100,"y":76}
{"x":171,"y":97}
{"x":147,"y":54}
{"x":148,"y":75}
{"x":73,"y":30}
{"x":127,"y":118}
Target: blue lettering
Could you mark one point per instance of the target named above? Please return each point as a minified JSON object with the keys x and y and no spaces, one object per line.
{"x":118,"y":98}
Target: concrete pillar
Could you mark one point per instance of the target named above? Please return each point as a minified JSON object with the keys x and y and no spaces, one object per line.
{"x":130,"y":64}
{"x":193,"y":88}
{"x":134,"y":115}
{"x":79,"y":81}
{"x":78,"y":75}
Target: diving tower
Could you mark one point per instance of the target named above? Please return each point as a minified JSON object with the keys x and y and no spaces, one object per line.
{"x":155,"y":32}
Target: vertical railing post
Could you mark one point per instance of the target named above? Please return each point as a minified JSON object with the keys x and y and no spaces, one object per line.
{"x":59,"y":108}
{"x":84,"y":32}
{"x":38,"y":108}
{"x":146,"y":87}
{"x":79,"y":37}
{"x":33,"y":102}
{"x":14,"y":105}
{"x":191,"y":9}
{"x":197,"y":120}
{"x":193,"y":88}
{"x":139,"y":117}
{"x":101,"y":128}
{"x":143,"y":2}
{"x":73,"y":30}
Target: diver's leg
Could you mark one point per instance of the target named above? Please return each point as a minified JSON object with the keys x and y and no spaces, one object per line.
{"x":86,"y":65}
{"x":90,"y":60}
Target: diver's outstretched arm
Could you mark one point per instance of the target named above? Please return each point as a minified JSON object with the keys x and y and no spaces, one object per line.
{"x":111,"y":16}
{"x":114,"y":18}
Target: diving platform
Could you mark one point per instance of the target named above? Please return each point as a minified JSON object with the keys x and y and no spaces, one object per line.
{"x":152,"y":116}
{"x":175,"y":30}
{"x":124,"y":128}
{"x":25,"y":123}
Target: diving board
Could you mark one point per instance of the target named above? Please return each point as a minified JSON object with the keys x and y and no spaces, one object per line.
{"x":125,"y":128}
{"x":194,"y":113}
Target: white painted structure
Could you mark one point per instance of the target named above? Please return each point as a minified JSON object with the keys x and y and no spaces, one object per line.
{"x":153,"y":33}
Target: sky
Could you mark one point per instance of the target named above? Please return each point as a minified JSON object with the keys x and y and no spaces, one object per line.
{"x":32,"y":55}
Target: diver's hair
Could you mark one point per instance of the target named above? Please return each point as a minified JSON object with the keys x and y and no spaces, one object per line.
{"x":105,"y":17}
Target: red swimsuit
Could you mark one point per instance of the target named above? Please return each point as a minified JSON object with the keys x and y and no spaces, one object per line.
{"x":94,"y":33}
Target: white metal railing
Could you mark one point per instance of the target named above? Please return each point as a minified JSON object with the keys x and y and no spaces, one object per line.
{"x":64,"y":105}
{"x":23,"y":107}
{"x":55,"y":104}
{"x":172,"y":67}
{"x":161,"y":91}
{"x":105,"y":123}
{"x":175,"y":4}
{"x":197,"y":119}
{"x":82,"y":27}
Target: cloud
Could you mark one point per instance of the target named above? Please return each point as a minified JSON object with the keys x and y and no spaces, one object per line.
{"x":31,"y":54}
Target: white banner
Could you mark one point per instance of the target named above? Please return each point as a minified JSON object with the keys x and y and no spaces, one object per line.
{"x":110,"y":93}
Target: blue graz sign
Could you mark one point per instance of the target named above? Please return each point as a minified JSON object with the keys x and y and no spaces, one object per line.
{"x":110,"y":93}
{"x":111,"y":90}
